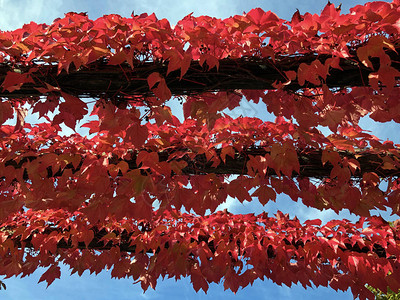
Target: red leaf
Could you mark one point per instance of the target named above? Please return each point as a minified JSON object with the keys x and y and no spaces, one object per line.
{"x":254,"y":95}
{"x":353,"y":263}
{"x":121,"y":268}
{"x":137,"y":134}
{"x":312,"y":72}
{"x":375,"y":48}
{"x":74,"y":105}
{"x":211,"y":61}
{"x":291,"y":75}
{"x":264,"y":194}
{"x":153,"y":78}
{"x":259,"y":17}
{"x":198,"y":280}
{"x":48,"y":89}
{"x":51,"y":274}
{"x":386,"y":74}
{"x":118,"y":58}
{"x":93,"y":125}
{"x":185,"y":64}
{"x":87,"y":236}
{"x":49,"y":105}
{"x":370,"y":178}
{"x":71,"y":111}
{"x":174,"y":60}
{"x":316,"y":222}
{"x":296,"y":18}
{"x":6,"y":111}
{"x":14,"y":81}
{"x":162,"y":114}
{"x":228,"y":150}
{"x":161,"y":90}
{"x":232,"y":281}
{"x":330,"y":11}
{"x":237,"y":190}
{"x":333,"y":118}
{"x":147,"y":159}
{"x":284,"y":158}
{"x":143,"y":206}
{"x":330,"y":156}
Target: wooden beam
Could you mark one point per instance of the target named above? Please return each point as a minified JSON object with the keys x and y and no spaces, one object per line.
{"x":100,"y":80}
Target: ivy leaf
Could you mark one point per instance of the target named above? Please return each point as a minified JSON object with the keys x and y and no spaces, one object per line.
{"x":198,"y":280}
{"x":260,"y":17}
{"x":264,"y":194}
{"x":137,"y":134}
{"x":15,"y":80}
{"x":49,"y":105}
{"x":228,"y":150}
{"x":6,"y":111}
{"x":185,"y":64}
{"x":158,"y":86}
{"x":50,"y":275}
{"x":71,"y":111}
{"x":237,"y":190}
{"x":296,"y":18}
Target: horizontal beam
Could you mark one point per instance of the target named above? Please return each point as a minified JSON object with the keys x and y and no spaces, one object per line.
{"x":100,"y":80}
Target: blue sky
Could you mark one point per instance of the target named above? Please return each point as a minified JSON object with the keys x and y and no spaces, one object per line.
{"x":14,"y":13}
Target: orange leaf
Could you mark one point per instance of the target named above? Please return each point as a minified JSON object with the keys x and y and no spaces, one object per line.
{"x":228,"y":150}
{"x":118,"y":58}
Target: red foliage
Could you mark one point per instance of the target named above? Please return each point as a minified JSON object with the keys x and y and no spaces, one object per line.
{"x":68,"y":197}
